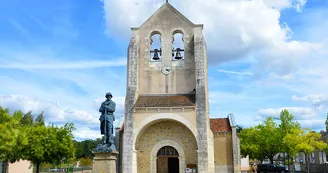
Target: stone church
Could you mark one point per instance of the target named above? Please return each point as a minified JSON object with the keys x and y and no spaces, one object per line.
{"x":167,"y":128}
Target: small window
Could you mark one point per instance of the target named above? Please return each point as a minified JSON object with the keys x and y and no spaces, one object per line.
{"x":155,"y":47}
{"x":167,"y":151}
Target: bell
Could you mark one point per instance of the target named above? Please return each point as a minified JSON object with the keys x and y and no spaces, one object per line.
{"x":178,"y":54}
{"x":156,"y":57}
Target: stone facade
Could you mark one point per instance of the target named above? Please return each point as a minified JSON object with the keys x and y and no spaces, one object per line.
{"x":165,"y":131}
{"x":184,"y":123}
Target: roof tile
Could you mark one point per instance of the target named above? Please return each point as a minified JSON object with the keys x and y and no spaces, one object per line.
{"x":220,"y":125}
{"x":165,"y":100}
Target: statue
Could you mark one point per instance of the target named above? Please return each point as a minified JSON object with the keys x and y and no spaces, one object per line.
{"x":107,"y":118}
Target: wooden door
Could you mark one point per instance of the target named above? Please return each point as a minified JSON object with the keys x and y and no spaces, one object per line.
{"x":162,"y":165}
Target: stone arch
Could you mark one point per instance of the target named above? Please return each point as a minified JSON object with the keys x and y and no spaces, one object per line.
{"x":178,"y":31}
{"x":159,"y":145}
{"x":154,"y":32}
{"x":163,"y":116}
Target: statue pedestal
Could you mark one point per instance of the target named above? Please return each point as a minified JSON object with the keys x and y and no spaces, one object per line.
{"x":104,"y":162}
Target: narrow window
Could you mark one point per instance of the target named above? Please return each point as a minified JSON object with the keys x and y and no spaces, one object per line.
{"x":178,"y":47}
{"x":155,"y":47}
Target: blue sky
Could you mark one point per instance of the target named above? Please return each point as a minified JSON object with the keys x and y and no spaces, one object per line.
{"x":62,"y":56}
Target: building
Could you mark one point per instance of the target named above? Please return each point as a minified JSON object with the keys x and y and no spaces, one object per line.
{"x":167,"y":127}
{"x":22,"y":166}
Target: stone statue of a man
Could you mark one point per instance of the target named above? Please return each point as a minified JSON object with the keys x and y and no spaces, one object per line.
{"x":107,"y":118}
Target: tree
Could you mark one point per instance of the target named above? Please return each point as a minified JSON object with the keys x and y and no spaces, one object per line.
{"x":22,"y":137}
{"x":84,"y":148}
{"x":12,"y":137}
{"x":326,"y":123}
{"x":263,"y":140}
{"x":49,"y":144}
{"x":27,"y":119}
{"x":249,"y":144}
{"x":40,"y":119}
{"x":239,"y":128}
{"x":307,"y":142}
{"x":288,"y":127}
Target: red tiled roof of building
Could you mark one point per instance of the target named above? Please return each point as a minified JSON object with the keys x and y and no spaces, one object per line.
{"x":220,"y":125}
{"x":165,"y":100}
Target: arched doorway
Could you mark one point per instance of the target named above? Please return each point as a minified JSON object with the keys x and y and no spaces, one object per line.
{"x":167,"y":160}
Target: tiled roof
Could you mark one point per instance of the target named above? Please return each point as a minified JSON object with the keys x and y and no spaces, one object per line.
{"x":220,"y":125}
{"x":166,"y":100}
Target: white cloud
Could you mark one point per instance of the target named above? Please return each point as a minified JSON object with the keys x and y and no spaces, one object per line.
{"x":299,"y":113}
{"x":313,"y":124}
{"x":52,"y":111}
{"x":86,"y":133}
{"x":235,"y":72}
{"x":240,"y":28}
{"x":281,"y":4}
{"x":68,"y":65}
{"x":317,"y":100}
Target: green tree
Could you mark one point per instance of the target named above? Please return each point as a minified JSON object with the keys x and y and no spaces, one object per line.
{"x":239,"y":128}
{"x":263,"y":140}
{"x":326,"y":123}
{"x":84,"y":148}
{"x":288,"y":127}
{"x":27,"y":119}
{"x":40,"y":119}
{"x":249,"y":144}
{"x":38,"y":146}
{"x":49,"y":144}
{"x":12,"y":137}
{"x":308,"y":141}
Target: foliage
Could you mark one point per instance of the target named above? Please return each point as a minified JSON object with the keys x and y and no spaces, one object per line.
{"x":40,"y":119}
{"x":263,"y":140}
{"x":249,"y":145}
{"x":85,"y":161}
{"x":27,"y":119}
{"x":12,"y":137}
{"x":22,"y":137}
{"x":291,"y":129}
{"x":84,"y":148}
{"x":308,"y":141}
{"x":50,"y":144}
{"x":239,"y":128}
{"x":326,"y":123}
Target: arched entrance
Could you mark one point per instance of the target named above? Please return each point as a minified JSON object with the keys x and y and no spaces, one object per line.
{"x":167,"y":160}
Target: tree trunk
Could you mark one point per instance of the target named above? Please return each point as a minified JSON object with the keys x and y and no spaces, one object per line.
{"x":288,"y":162}
{"x":271,"y":159}
{"x":37,"y":167}
{"x":307,"y":163}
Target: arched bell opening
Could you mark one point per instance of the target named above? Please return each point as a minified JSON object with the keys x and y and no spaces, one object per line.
{"x":155,"y":46}
{"x":178,"y":46}
{"x":167,"y":160}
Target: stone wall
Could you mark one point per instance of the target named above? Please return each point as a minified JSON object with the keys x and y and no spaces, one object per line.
{"x":161,"y":131}
{"x":223,"y":154}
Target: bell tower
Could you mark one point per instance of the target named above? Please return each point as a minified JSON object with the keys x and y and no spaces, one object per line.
{"x":167,"y":80}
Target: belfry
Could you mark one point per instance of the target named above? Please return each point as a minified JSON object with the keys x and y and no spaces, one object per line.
{"x":167,"y":128}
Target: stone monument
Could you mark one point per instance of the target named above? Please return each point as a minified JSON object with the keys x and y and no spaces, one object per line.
{"x":105,"y":153}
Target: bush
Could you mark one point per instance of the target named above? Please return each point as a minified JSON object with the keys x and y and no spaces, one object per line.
{"x":85,"y":161}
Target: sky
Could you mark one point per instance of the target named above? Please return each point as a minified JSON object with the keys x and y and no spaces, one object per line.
{"x":62,"y":56}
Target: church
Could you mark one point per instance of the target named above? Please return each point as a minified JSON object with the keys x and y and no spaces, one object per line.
{"x":167,"y":128}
